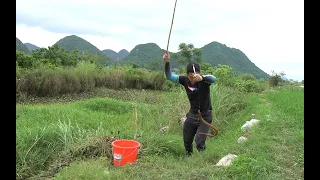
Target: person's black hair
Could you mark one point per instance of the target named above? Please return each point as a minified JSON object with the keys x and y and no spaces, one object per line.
{"x":190,"y":67}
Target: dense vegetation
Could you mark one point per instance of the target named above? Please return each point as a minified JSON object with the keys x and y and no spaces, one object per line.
{"x":149,"y":56}
{"x":56,"y":71}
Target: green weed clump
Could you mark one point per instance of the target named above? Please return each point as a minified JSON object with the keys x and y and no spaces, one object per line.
{"x":70,"y":128}
{"x":49,"y":81}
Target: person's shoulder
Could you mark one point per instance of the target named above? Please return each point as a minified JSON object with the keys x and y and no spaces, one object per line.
{"x":183,"y":79}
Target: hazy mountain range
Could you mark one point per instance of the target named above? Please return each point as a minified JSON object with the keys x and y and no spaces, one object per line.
{"x":150,"y":54}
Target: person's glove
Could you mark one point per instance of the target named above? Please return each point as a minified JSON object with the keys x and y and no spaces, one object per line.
{"x":197,"y":77}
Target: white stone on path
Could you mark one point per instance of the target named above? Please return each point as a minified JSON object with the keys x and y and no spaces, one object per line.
{"x":226,"y":160}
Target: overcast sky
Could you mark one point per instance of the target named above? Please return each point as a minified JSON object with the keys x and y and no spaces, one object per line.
{"x":269,"y":32}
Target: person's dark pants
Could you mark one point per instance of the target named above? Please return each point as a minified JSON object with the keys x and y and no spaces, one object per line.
{"x":192,"y":127}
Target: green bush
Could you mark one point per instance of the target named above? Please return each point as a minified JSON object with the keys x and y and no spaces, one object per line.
{"x":115,"y":79}
{"x":71,"y":82}
{"x":157,"y":80}
{"x":247,"y":77}
{"x":87,"y":82}
{"x":24,"y":60}
{"x":46,"y":79}
{"x":225,"y":75}
{"x":51,"y":84}
{"x":101,"y":79}
{"x":137,"y":78}
{"x":30,"y":82}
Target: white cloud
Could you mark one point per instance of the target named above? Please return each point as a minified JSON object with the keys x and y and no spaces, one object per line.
{"x":37,"y":36}
{"x":269,"y":32}
{"x":43,"y":38}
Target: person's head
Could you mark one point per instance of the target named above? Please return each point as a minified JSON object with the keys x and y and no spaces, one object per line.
{"x":192,"y":69}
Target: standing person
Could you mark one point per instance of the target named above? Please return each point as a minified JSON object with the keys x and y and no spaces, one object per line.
{"x":197,"y":88}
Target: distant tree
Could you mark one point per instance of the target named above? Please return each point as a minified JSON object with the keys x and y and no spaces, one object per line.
{"x":133,"y":64}
{"x":205,"y":66}
{"x":247,"y":77}
{"x":56,"y":55}
{"x":225,"y":74}
{"x":189,"y":54}
{"x":24,"y":60}
{"x":275,"y":78}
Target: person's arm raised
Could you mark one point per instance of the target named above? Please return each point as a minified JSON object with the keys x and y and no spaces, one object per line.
{"x":169,"y":75}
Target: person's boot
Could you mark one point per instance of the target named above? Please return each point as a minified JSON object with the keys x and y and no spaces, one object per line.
{"x":189,"y":153}
{"x":201,"y":148}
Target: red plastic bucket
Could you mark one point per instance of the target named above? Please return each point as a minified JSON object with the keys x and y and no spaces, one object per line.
{"x":124,"y":151}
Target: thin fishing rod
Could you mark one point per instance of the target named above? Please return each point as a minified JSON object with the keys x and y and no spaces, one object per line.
{"x":175,"y":4}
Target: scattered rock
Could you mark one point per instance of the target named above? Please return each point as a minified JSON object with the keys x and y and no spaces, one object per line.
{"x":249,"y":124}
{"x":226,"y":160}
{"x":241,"y":139}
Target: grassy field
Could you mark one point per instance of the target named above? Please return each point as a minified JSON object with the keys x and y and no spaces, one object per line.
{"x":56,"y":139}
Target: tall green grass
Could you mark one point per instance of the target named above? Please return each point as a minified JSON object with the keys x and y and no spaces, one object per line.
{"x":47,"y":80}
{"x":48,"y":134}
{"x":43,"y":131}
